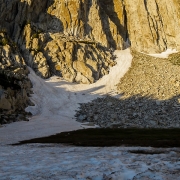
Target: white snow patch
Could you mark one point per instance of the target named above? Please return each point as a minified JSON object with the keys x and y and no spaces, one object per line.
{"x":164,"y":54}
{"x":56,"y":162}
{"x":56,"y":101}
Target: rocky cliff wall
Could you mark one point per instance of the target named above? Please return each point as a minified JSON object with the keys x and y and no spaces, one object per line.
{"x":102,"y":21}
{"x":56,"y":37}
{"x":151,"y":25}
{"x":15,"y":87}
{"x":75,"y":39}
{"x":71,"y":37}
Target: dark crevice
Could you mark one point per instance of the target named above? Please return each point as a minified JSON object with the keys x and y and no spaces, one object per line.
{"x":109,"y":13}
{"x":145,"y":4}
{"x":150,"y":152}
{"x":164,"y":40}
{"x":8,"y":81}
{"x":155,"y":25}
{"x":127,"y":37}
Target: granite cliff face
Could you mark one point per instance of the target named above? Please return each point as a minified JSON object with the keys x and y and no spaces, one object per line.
{"x":109,"y":22}
{"x":153,"y":25}
{"x":71,"y":37}
{"x":57,"y":37}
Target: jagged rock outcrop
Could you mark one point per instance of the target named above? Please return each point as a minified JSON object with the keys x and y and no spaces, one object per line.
{"x":68,"y":38}
{"x":15,"y":87}
{"x":64,"y":37}
{"x":76,"y":60}
{"x":69,"y":26}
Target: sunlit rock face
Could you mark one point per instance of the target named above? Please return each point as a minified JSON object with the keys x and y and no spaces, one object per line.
{"x":67,"y":38}
{"x":153,"y":25}
{"x":101,"y":21}
{"x":72,"y":38}
{"x":75,"y":39}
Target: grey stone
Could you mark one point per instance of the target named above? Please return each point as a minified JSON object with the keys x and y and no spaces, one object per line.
{"x":158,"y":102}
{"x":81,"y":118}
{"x":109,"y":103}
{"x":154,"y":123}
{"x":96,"y":117}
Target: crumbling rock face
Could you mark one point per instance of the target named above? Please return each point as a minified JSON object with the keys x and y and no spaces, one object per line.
{"x":15,"y":87}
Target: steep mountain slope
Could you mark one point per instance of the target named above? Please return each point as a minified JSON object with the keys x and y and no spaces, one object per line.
{"x":56,"y":101}
{"x":75,"y":39}
{"x":53,"y":34}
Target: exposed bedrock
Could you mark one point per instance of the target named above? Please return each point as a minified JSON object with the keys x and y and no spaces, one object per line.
{"x":72,"y":38}
{"x":15,"y":87}
{"x":75,"y":39}
{"x":153,"y":25}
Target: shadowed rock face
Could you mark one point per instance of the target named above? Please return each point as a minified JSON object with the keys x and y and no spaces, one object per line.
{"x":15,"y":87}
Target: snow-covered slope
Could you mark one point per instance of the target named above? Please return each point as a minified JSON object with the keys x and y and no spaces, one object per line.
{"x":56,"y":101}
{"x":57,"y":162}
{"x":164,"y":54}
